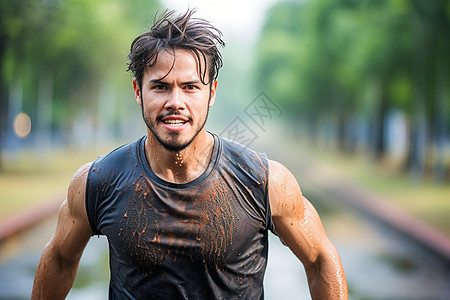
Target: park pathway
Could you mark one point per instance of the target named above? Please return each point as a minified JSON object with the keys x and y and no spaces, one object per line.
{"x":381,"y":261}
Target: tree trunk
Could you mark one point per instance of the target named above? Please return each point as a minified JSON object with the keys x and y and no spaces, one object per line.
{"x":44,"y":114}
{"x":3,"y":115}
{"x":440,"y":119}
{"x":14,"y":108}
{"x":378,"y":123}
{"x":418,"y":121}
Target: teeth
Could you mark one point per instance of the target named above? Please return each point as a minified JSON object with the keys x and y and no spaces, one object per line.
{"x":174,"y":122}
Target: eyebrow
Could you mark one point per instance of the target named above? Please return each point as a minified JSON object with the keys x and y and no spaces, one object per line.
{"x":160,"y":81}
{"x":191,"y":82}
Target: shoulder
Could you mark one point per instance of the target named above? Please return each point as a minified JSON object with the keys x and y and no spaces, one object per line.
{"x":279,"y":175}
{"x":119,"y":155}
{"x":284,"y":190}
{"x":77,"y":189}
{"x":108,"y":167}
{"x":79,"y":178}
{"x":245,"y":161}
{"x":240,"y":153}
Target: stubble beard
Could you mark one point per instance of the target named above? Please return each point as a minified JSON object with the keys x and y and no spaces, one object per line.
{"x":171,"y":145}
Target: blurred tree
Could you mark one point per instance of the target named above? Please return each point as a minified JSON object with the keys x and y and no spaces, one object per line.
{"x":65,"y":56}
{"x":430,"y":22}
{"x":349,"y":60}
{"x":18,"y":19}
{"x":280,"y":52}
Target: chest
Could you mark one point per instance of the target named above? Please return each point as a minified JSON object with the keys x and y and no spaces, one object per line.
{"x":153,"y":226}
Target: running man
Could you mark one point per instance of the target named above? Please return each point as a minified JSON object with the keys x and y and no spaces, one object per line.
{"x":186,"y":212}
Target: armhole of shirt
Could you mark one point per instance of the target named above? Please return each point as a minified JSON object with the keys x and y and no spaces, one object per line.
{"x":90,"y":199}
{"x":269,"y":222}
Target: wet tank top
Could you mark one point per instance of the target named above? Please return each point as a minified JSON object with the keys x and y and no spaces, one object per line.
{"x":205,"y":239}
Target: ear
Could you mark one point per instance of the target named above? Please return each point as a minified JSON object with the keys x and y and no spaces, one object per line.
{"x":137,"y":92}
{"x":212,"y":100}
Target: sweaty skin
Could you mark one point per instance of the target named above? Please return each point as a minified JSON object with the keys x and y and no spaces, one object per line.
{"x":172,"y":91}
{"x":298,"y":225}
{"x":175,"y":109}
{"x":59,"y":262}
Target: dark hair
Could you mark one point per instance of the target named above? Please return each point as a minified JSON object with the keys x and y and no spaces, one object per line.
{"x":170,"y":33}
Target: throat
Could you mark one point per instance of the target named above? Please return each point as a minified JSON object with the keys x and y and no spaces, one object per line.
{"x":182,"y":166}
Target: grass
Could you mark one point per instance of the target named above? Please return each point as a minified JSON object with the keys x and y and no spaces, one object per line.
{"x":425,"y":200}
{"x":27,"y":178}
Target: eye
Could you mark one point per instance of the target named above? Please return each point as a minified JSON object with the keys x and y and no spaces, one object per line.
{"x":160,"y":87}
{"x":191,"y":87}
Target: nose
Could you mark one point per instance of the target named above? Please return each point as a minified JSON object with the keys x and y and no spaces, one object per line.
{"x":175,"y":100}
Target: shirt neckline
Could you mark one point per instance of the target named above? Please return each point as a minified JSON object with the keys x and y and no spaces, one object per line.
{"x":217,"y":148}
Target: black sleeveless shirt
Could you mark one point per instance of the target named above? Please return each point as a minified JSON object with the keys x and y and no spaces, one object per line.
{"x":205,"y":239}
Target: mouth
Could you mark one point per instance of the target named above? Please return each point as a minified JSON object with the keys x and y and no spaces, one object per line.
{"x":174,"y":122}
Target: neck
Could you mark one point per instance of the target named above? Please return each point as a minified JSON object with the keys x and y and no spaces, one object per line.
{"x":180,"y":166}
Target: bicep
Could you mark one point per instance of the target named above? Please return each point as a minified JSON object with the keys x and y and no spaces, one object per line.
{"x":296,"y":221}
{"x":73,"y":230}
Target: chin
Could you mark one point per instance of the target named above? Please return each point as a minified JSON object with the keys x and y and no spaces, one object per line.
{"x":173,"y":142}
{"x":175,"y":147}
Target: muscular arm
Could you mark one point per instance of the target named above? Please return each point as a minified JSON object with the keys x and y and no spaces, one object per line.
{"x":299,"y":227}
{"x":59,"y":262}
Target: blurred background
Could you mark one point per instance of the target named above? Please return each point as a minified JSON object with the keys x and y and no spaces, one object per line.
{"x":351,"y":95}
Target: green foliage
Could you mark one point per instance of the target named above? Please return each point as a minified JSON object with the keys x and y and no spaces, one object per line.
{"x":80,"y":44}
{"x":357,"y":60}
{"x":401,"y":92}
{"x":345,"y":44}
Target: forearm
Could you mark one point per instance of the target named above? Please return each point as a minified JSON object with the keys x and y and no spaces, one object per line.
{"x":54,"y":276}
{"x":327,"y":280}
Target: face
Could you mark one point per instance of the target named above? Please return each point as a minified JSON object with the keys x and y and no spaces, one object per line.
{"x":174,"y":104}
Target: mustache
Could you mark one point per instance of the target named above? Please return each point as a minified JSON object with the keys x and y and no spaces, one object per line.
{"x":173,"y":113}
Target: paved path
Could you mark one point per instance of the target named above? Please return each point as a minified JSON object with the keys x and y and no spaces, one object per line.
{"x":285,"y":274}
{"x":314,"y":175}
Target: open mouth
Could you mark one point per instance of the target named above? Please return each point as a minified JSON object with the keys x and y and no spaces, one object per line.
{"x":174,"y":122}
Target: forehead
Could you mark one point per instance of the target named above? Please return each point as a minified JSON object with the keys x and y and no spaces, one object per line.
{"x":176,"y":63}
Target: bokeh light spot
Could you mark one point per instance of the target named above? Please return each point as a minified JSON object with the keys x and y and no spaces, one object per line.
{"x":22,"y":125}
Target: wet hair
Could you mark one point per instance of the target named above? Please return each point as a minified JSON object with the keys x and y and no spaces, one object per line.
{"x":170,"y":33}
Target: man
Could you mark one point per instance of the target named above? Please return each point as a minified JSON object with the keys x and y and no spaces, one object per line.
{"x":186,"y":212}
